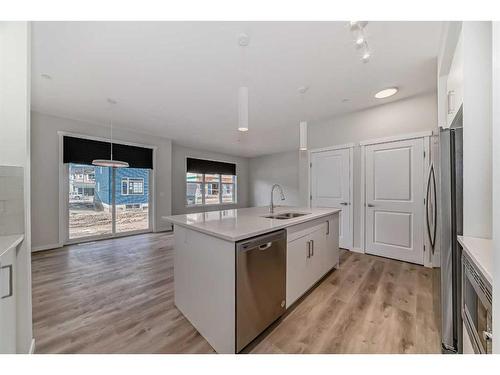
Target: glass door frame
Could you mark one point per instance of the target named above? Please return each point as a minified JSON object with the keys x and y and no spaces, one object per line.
{"x":64,"y":197}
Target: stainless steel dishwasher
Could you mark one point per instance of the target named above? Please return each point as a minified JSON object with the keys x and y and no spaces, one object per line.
{"x":260,"y":285}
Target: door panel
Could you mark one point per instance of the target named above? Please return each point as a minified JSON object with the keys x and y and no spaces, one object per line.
{"x":395,"y":200}
{"x":330,"y":183}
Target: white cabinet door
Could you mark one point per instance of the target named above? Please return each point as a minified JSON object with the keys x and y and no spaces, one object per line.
{"x":311,"y":253}
{"x":454,"y":85}
{"x":395,"y":200}
{"x":331,"y":254}
{"x":8,"y":302}
{"x":319,"y":254}
{"x":299,"y":268}
{"x":330,"y":187}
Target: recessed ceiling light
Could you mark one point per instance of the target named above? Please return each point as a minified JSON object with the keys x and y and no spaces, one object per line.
{"x":385,"y":93}
{"x":45,"y":76}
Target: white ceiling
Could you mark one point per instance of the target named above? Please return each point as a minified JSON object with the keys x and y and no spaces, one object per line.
{"x":180,"y":79}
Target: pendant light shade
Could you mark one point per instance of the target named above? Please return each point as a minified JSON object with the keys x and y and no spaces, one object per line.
{"x":110,"y":162}
{"x":303,"y":135}
{"x":243,"y":109}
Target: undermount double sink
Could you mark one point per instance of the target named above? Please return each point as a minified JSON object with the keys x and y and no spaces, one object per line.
{"x":285,"y":215}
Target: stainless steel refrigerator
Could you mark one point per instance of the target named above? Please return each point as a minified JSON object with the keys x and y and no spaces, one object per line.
{"x":451,"y":208}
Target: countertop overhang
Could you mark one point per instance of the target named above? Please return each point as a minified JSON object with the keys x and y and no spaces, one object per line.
{"x":480,"y":250}
{"x":241,"y":223}
{"x":10,"y":241}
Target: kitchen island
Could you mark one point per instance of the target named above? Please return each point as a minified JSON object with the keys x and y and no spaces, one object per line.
{"x":210,"y":275}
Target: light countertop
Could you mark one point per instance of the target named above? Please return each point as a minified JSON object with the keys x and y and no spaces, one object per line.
{"x":10,"y":241}
{"x":238,"y":224}
{"x":480,"y":251}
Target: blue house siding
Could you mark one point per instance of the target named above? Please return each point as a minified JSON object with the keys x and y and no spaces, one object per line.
{"x":103,"y":183}
{"x":102,"y":192}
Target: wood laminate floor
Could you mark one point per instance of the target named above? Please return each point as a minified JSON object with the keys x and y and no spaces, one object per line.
{"x":117,"y":296}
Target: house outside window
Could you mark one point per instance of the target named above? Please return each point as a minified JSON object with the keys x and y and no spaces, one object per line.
{"x":132,"y":186}
{"x":210,"y":189}
{"x":210,"y":182}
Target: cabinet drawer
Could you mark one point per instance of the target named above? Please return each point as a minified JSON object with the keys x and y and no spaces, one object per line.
{"x":305,"y":229}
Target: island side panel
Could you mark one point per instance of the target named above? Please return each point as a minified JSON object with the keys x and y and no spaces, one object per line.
{"x":204,"y":279}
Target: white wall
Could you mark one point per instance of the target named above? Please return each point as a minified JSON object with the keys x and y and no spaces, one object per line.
{"x":179,"y":155}
{"x":15,"y":151}
{"x":477,"y":146}
{"x":402,"y":117}
{"x":45,"y":172}
{"x":280,"y":169}
{"x":496,"y":183}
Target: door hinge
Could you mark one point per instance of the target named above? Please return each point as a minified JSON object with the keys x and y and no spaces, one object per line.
{"x":310,"y":165}
{"x":311,"y":197}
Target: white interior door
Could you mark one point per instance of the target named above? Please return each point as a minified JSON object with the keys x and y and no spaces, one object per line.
{"x":330,"y":187}
{"x":395,"y":200}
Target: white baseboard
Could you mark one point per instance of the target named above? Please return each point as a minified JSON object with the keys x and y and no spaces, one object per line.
{"x":46,"y":247}
{"x":358,"y":250}
{"x":32,"y":346}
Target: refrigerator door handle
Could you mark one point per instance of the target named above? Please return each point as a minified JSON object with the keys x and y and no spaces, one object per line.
{"x":431,"y":179}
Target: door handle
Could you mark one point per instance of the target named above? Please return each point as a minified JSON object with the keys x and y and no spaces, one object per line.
{"x":308,"y":249}
{"x":11,"y":291}
{"x":312,"y":248}
{"x":327,"y":227}
{"x":344,"y":203}
{"x":370,"y":205}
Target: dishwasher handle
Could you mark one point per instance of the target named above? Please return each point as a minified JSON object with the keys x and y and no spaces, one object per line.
{"x":265,"y":246}
{"x":263,"y":242}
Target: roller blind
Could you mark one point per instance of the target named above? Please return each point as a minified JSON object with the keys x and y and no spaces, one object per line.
{"x":83,"y":151}
{"x":210,"y":166}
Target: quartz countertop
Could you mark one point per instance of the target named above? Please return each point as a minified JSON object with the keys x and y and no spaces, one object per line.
{"x":10,"y":241}
{"x":241,"y":223}
{"x":480,"y":251}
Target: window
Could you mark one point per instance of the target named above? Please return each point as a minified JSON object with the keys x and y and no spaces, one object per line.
{"x":132,"y":186}
{"x":210,"y":189}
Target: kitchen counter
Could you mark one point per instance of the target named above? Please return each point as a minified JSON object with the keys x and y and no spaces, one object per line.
{"x":206,"y":257}
{"x":237,"y":224}
{"x":9,"y":242}
{"x":480,"y":251}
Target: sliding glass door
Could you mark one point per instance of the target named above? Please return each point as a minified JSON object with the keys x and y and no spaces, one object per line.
{"x":131,"y":199}
{"x":105,"y":202}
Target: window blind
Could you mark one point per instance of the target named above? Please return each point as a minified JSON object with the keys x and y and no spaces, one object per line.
{"x":210,"y":167}
{"x":83,"y":151}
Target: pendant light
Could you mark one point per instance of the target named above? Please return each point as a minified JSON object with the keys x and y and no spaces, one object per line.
{"x":303,"y":123}
{"x":243,"y":41}
{"x":243,"y":109}
{"x":303,"y":135}
{"x":110,"y":162}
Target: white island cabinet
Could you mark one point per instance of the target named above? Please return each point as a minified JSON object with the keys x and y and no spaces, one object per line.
{"x":205,"y":256}
{"x":312,"y":251}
